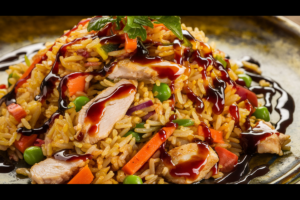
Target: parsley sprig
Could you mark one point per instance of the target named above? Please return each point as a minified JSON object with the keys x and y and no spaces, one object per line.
{"x":134,"y":26}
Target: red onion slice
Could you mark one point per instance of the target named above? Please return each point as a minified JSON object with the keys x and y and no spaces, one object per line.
{"x":83,"y":53}
{"x":139,"y":107}
{"x":38,"y":142}
{"x":148,"y":115}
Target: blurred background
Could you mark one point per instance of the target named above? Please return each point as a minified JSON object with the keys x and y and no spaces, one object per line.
{"x":295,"y":19}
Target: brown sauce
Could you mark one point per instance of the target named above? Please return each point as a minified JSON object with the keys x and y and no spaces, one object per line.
{"x":96,"y":111}
{"x":207,"y":133}
{"x":6,"y":165}
{"x":188,"y":169}
{"x":234,"y":112}
{"x":242,"y":174}
{"x":64,"y":156}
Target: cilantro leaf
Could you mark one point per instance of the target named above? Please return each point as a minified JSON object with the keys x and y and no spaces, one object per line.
{"x":135,"y":32}
{"x":134,"y":29}
{"x":118,"y":26}
{"x":143,"y":21}
{"x":97,"y":23}
{"x":171,"y":22}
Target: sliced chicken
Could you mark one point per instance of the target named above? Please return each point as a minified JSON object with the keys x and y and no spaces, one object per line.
{"x":51,"y":171}
{"x":273,"y":143}
{"x":99,"y":116}
{"x":148,"y":72}
{"x":185,"y":153}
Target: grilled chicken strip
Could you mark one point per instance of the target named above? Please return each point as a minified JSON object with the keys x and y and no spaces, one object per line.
{"x":51,"y":171}
{"x":147,"y":72}
{"x":185,"y":153}
{"x":99,"y":116}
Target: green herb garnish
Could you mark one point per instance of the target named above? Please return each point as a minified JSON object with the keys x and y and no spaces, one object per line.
{"x":134,"y":26}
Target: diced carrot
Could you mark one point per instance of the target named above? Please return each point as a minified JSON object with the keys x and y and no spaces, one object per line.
{"x":84,"y":176}
{"x":146,"y":152}
{"x":217,"y":136}
{"x":160,"y":25}
{"x":76,"y":84}
{"x":130,"y":44}
{"x":16,"y":111}
{"x":227,"y":159}
{"x":2,"y":86}
{"x":25,"y":142}
{"x":26,"y":73}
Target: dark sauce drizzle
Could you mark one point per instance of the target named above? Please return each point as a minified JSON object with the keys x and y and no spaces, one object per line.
{"x":188,"y":169}
{"x":249,"y":140}
{"x":285,"y":104}
{"x":6,"y":165}
{"x":65,"y":156}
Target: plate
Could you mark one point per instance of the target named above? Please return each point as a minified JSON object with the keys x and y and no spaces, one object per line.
{"x":273,"y":41}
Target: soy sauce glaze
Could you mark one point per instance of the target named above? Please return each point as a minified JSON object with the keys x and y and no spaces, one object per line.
{"x":63,"y":155}
{"x":234,"y":112}
{"x":249,"y":141}
{"x":6,"y":165}
{"x":96,"y":111}
{"x":163,"y":68}
{"x":189,"y":169}
{"x":207,"y":133}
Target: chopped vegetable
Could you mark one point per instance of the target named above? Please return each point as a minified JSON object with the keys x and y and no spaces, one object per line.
{"x":262,"y":113}
{"x":134,"y":134}
{"x":186,"y":42}
{"x":27,"y":61}
{"x":244,"y":93}
{"x":80,"y":101}
{"x":221,"y":60}
{"x":132,"y":179}
{"x":101,"y":52}
{"x":246,"y":78}
{"x":140,"y":125}
{"x":16,"y":111}
{"x":2,"y":86}
{"x":76,"y":84}
{"x":184,"y":122}
{"x":38,"y":142}
{"x":130,"y":44}
{"x":139,"y":107}
{"x":84,"y":176}
{"x":27,"y":72}
{"x":33,"y":155}
{"x":134,"y":25}
{"x":160,"y":25}
{"x":227,"y":159}
{"x":146,"y":152}
{"x":162,"y":92}
{"x":217,"y":136}
{"x":144,"y":118}
{"x":110,"y":47}
{"x":12,"y":75}
{"x":25,"y":142}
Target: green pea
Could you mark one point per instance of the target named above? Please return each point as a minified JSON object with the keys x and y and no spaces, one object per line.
{"x":163,"y":92}
{"x":246,"y":78}
{"x":184,"y":122}
{"x":12,"y":75}
{"x":221,"y":60}
{"x":140,"y":125}
{"x":33,"y":155}
{"x":134,"y":134}
{"x":80,"y":101}
{"x":262,"y":113}
{"x":132,"y":179}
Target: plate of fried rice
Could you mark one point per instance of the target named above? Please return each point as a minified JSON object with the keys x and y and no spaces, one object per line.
{"x":150,"y":100}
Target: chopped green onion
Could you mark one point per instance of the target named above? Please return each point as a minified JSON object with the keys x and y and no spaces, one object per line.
{"x":27,"y":61}
{"x":184,"y":122}
{"x":221,"y":60}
